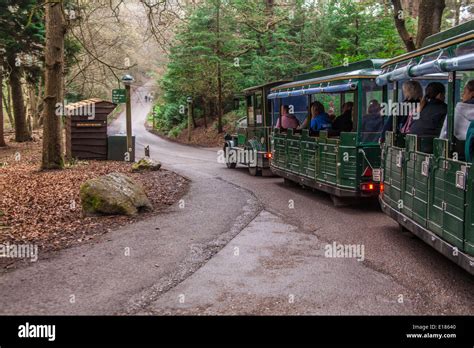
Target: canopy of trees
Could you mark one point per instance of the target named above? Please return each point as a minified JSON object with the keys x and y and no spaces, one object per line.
{"x":225,"y":46}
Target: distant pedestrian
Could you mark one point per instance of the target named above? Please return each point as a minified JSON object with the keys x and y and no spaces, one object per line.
{"x":146,"y":99}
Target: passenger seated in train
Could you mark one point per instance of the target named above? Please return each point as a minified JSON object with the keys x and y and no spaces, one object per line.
{"x":287,"y":120}
{"x":373,"y":121}
{"x":319,"y":118}
{"x":343,"y":123}
{"x":433,"y":110}
{"x":463,"y":114}
{"x":412,"y":94}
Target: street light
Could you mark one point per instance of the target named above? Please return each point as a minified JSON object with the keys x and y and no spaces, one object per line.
{"x":127,"y":81}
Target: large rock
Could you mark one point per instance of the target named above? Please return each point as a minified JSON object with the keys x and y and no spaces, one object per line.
{"x":113,"y":194}
{"x":146,"y":164}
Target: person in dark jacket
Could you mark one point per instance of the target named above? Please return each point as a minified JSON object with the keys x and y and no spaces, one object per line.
{"x":433,"y":112}
{"x":412,"y":94}
{"x":372,"y":123}
{"x":343,"y":123}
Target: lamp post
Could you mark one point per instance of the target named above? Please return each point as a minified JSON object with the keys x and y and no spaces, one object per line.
{"x":190,"y":116}
{"x":127,"y":81}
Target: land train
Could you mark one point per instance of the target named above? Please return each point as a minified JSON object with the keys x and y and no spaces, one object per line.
{"x":428,"y":181}
{"x":422,"y":181}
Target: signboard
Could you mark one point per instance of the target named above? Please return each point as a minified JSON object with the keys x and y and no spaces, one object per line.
{"x":119,"y":96}
{"x":90,"y":125}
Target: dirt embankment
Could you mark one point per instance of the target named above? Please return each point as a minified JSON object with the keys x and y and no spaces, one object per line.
{"x":202,"y":135}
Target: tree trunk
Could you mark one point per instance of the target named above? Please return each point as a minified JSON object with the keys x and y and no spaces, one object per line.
{"x":38,"y":118}
{"x":21,"y":128}
{"x":356,"y":41}
{"x":193,"y":116}
{"x":219,"y":70}
{"x":457,"y":11}
{"x":54,"y":63}
{"x":2,"y":137}
{"x":399,"y":16}
{"x":429,"y":20}
{"x":7,"y":100}
{"x":206,"y":110}
{"x":269,"y":14}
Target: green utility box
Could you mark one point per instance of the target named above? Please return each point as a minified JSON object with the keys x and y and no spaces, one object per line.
{"x":117,"y":148}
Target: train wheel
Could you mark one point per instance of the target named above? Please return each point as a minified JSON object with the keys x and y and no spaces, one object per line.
{"x":339,"y":202}
{"x":231,"y":165}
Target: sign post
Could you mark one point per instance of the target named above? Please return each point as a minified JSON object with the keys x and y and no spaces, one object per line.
{"x":127,"y":81}
{"x":119,"y":96}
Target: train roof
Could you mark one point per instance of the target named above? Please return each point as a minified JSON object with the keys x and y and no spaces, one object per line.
{"x":444,"y":39}
{"x":360,"y":70}
{"x":265,"y":85}
{"x":368,"y":64}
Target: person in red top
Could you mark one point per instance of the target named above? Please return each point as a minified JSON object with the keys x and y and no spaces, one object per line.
{"x":287,"y":120}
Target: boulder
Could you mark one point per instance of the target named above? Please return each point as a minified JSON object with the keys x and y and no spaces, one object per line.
{"x":113,"y":194}
{"x":146,"y":164}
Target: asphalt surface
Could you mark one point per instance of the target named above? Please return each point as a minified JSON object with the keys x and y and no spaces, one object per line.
{"x":241,"y":245}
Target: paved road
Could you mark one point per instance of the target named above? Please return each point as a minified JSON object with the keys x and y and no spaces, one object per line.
{"x":239,"y":247}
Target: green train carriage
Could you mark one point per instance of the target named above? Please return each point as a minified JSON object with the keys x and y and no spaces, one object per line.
{"x":428,"y":185}
{"x":346,"y":165}
{"x":250,"y":146}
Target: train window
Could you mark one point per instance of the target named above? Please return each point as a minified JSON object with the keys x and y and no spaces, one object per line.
{"x":465,"y":48}
{"x":460,"y":124}
{"x":298,"y":106}
{"x":275,"y":111}
{"x":250,"y":110}
{"x":442,"y":78}
{"x":258,"y":108}
{"x":372,"y":118}
{"x":331,"y":102}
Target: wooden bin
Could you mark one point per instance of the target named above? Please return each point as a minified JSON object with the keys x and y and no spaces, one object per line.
{"x":86,"y":129}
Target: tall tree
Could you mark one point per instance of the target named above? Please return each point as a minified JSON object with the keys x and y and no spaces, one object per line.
{"x":21,"y":37}
{"x":430,"y":14}
{"x":2,"y":137}
{"x":54,"y":63}
{"x":429,"y":19}
{"x":219,"y":67}
{"x":22,"y":133}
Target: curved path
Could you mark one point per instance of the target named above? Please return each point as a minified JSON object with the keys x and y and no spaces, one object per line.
{"x":241,"y":245}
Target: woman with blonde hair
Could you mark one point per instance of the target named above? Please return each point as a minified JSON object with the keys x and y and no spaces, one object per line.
{"x":412,"y":95}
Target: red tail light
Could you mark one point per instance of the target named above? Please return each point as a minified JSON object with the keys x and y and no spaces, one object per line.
{"x":269,"y":155}
{"x":368,"y":187}
{"x":382,"y":188}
